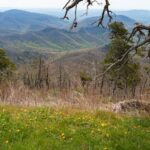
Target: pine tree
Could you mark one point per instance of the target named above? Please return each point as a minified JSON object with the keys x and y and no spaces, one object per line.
{"x":124,"y":75}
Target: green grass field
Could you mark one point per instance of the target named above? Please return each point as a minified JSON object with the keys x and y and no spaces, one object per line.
{"x":69,"y":129}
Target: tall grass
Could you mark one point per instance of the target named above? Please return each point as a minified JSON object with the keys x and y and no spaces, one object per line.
{"x":16,"y":93}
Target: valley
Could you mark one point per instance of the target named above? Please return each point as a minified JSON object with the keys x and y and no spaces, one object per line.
{"x":36,"y":34}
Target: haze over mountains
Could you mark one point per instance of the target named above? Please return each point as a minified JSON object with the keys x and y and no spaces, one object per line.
{"x":142,"y":16}
{"x":24,"y":32}
{"x":138,"y":15}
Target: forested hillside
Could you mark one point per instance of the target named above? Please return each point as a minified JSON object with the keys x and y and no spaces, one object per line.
{"x":24,"y":32}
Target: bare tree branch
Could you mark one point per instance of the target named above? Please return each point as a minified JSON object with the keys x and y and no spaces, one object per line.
{"x":139,"y":30}
{"x":124,"y":56}
{"x":74,"y":4}
{"x":75,"y":23}
{"x":105,"y":10}
{"x":69,"y":6}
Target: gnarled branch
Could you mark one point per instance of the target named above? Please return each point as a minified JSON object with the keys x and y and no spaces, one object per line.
{"x":74,"y":4}
{"x":139,"y":29}
{"x":124,"y":56}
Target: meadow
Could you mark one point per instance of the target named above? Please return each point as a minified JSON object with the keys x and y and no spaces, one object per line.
{"x":42,"y":128}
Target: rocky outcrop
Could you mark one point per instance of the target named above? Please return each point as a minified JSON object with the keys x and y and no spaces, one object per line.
{"x":127,"y":106}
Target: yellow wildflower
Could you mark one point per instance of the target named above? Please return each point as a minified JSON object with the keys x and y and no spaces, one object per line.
{"x":18,"y":130}
{"x":92,"y":132}
{"x":6,"y":142}
{"x":103,"y":124}
{"x":107,"y":135}
{"x":125,"y":132}
{"x":63,"y":136}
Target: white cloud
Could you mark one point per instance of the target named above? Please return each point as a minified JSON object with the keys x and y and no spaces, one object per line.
{"x":115,"y":4}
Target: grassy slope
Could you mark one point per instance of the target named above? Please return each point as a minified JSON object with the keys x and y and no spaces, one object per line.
{"x":67,"y":129}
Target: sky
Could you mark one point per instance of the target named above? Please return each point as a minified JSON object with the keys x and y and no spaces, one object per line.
{"x":115,"y":4}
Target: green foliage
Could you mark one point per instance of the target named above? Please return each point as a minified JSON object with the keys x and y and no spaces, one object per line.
{"x":117,"y":49}
{"x":118,"y":30}
{"x":5,"y":62}
{"x":147,"y":69}
{"x":6,"y":66}
{"x":119,"y":44}
{"x":68,"y":129}
{"x":85,"y":78}
{"x":125,"y":73}
{"x":133,"y":70}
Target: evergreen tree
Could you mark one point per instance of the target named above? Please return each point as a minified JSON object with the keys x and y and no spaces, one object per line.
{"x":6,"y":65}
{"x":124,"y":75}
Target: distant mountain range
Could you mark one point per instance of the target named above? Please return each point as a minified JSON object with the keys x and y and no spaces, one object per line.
{"x":138,"y":15}
{"x":88,"y":22}
{"x":29,"y":33}
{"x":18,"y":21}
{"x":142,"y":16}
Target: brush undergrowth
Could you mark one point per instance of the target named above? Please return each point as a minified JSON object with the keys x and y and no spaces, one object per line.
{"x":69,"y":129}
